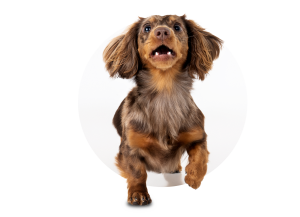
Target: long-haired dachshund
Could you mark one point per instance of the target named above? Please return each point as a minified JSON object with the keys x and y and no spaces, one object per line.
{"x":158,"y":120}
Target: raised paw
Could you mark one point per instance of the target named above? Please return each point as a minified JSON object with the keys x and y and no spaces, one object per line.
{"x":139,"y":198}
{"x":194,"y":176}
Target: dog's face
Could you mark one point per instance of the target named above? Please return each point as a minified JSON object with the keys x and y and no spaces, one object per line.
{"x":163,"y":42}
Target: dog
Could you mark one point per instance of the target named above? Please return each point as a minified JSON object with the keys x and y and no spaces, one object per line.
{"x":158,"y":120}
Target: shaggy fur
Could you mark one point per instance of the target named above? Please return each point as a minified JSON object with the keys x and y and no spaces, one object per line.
{"x":158,"y":120}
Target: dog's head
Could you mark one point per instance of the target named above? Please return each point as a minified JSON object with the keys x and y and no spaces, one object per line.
{"x":162,"y":42}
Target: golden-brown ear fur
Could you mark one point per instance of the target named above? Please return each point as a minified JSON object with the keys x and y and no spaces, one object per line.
{"x":121,"y":54}
{"x":204,"y":47}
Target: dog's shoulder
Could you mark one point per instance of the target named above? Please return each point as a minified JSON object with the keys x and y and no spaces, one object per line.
{"x":117,"y":120}
{"x":124,"y":108}
{"x":132,"y":97}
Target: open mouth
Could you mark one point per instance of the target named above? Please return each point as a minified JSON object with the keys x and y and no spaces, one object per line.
{"x":163,"y":51}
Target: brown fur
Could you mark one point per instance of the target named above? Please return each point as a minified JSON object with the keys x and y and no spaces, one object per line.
{"x":158,"y":120}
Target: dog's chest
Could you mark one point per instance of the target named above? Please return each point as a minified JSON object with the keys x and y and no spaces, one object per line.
{"x":166,"y":113}
{"x":163,"y":112}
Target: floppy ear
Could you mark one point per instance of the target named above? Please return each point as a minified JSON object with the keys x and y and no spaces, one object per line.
{"x":121,"y":54}
{"x":204,"y":47}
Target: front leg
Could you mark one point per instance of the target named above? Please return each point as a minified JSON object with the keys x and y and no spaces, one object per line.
{"x":133,"y":169}
{"x":197,"y":167}
{"x":137,"y":189}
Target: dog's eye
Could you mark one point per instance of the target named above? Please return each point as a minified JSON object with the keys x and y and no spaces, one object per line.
{"x":177,"y":27}
{"x":147,"y":29}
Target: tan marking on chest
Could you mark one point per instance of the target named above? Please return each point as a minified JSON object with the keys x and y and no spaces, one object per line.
{"x":139,"y":140}
{"x":188,"y":137}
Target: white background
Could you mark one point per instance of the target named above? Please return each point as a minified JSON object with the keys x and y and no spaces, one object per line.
{"x":221,"y":97}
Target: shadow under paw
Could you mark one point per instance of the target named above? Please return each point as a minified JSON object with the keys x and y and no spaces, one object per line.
{"x":177,"y":171}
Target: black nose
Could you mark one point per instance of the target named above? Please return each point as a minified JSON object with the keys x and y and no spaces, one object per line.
{"x":162,"y":33}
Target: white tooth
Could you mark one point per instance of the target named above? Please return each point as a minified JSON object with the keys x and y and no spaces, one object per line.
{"x":169,"y":53}
{"x":156,"y":53}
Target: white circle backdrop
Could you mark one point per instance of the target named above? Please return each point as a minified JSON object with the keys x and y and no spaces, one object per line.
{"x":221,"y":97}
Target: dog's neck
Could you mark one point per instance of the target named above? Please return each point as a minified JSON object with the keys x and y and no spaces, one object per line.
{"x":170,"y":81}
